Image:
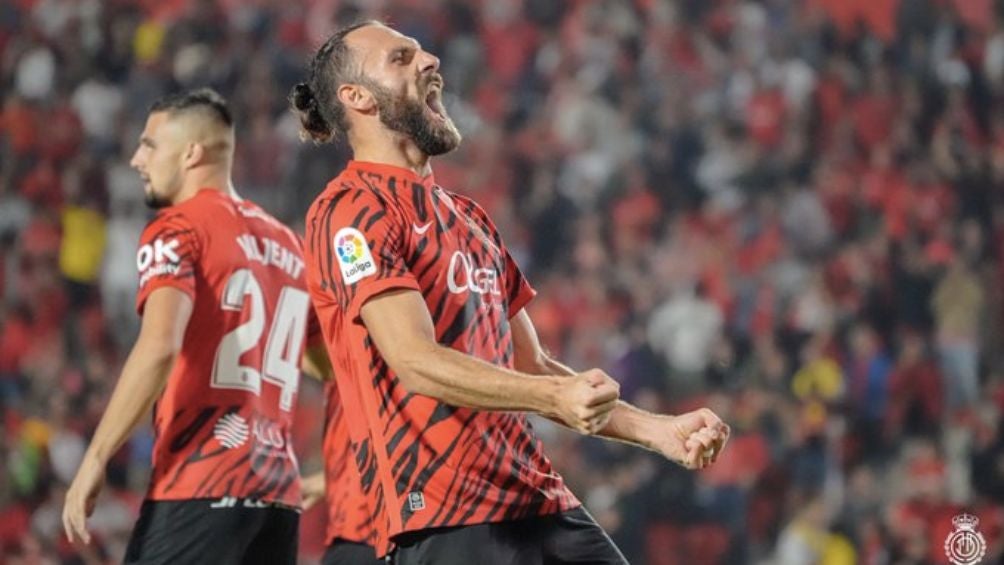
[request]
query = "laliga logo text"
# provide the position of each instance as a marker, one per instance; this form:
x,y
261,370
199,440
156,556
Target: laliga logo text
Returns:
x,y
965,546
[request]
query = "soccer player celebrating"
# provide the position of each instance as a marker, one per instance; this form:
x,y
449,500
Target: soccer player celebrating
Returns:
x,y
222,294
423,312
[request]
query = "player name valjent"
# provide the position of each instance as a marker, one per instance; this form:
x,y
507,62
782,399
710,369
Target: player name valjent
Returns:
x,y
269,252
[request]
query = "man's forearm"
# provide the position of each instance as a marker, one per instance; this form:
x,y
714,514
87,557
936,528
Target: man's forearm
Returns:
x,y
628,423
461,380
142,380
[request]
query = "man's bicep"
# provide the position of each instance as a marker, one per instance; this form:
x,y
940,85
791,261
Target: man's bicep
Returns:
x,y
398,322
165,318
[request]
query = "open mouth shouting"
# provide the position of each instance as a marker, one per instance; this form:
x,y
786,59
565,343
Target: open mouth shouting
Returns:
x,y
434,101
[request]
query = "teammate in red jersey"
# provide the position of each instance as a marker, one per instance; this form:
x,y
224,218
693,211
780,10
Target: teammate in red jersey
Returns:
x,y
422,309
222,294
349,533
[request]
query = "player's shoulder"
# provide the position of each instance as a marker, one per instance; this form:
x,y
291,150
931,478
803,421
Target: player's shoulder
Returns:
x,y
471,207
249,211
170,220
345,194
204,210
464,202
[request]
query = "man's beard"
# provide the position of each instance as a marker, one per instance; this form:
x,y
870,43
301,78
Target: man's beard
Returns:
x,y
405,115
154,202
157,201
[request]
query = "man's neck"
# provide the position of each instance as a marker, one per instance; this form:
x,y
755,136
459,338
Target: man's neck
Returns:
x,y
392,149
219,181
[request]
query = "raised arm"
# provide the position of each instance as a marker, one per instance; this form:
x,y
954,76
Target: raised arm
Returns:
x,y
142,380
693,440
399,323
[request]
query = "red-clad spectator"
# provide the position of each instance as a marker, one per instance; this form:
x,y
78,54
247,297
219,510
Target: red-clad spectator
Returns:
x,y
18,123
931,201
875,110
15,523
836,182
765,114
63,133
42,186
915,398
509,41
831,98
635,215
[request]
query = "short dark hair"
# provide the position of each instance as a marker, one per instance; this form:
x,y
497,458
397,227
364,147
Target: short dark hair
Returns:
x,y
316,102
205,99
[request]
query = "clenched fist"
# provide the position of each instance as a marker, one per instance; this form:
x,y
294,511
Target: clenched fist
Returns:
x,y
694,439
585,401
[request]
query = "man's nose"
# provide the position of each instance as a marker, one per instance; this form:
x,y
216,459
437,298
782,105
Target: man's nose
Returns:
x,y
428,63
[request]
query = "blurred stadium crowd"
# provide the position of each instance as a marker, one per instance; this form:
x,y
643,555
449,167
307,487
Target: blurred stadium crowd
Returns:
x,y
793,210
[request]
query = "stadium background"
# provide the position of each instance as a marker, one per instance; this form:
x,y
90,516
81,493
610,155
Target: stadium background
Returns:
x,y
791,210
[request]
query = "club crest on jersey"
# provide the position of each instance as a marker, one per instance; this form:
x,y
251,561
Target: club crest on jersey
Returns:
x,y
354,256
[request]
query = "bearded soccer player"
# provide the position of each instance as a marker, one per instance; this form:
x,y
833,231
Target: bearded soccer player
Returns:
x,y
423,312
222,294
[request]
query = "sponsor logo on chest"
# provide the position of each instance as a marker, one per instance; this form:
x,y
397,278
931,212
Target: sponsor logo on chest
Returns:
x,y
463,276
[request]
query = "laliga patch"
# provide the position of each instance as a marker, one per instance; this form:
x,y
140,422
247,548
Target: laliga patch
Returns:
x,y
354,255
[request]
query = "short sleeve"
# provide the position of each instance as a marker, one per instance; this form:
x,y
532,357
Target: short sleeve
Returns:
x,y
519,293
357,247
167,256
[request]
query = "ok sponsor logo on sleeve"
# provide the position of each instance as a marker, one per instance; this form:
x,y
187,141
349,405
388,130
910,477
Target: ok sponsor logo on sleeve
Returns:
x,y
158,258
354,256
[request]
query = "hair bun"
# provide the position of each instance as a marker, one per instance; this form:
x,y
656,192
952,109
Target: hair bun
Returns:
x,y
315,126
302,97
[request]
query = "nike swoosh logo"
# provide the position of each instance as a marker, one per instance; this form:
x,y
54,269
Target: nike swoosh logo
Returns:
x,y
420,230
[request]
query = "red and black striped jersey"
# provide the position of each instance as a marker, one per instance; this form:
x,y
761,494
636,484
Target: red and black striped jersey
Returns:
x,y
348,516
424,463
223,421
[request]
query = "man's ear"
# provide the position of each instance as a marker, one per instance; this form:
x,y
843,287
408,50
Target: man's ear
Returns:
x,y
357,97
194,154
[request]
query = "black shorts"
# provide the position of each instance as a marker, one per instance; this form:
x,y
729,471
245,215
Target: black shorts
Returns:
x,y
342,552
221,532
568,537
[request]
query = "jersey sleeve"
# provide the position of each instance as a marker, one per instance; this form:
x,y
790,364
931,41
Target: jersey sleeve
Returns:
x,y
168,254
519,293
313,332
357,245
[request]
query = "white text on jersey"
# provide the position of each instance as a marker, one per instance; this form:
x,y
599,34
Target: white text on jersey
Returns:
x,y
462,276
269,252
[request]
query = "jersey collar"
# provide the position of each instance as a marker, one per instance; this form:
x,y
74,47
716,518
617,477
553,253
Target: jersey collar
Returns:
x,y
392,171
